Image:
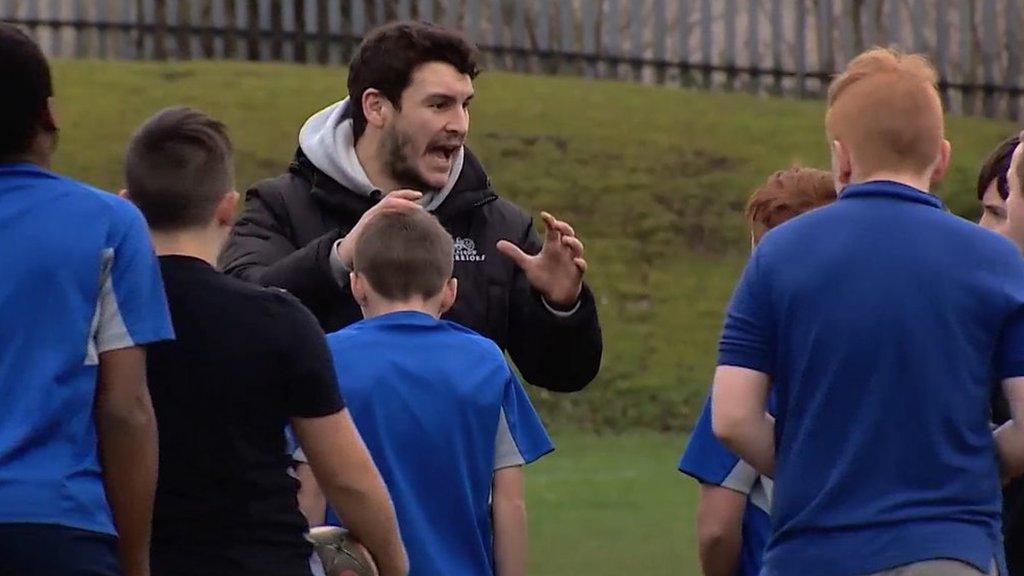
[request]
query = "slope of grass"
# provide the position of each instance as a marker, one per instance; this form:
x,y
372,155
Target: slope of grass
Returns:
x,y
654,179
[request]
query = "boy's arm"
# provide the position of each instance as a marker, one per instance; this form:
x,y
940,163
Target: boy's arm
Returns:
x,y
127,434
720,529
353,486
312,502
509,517
1010,436
739,398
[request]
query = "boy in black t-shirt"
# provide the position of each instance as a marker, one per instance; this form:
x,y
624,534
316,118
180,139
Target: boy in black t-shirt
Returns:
x,y
247,361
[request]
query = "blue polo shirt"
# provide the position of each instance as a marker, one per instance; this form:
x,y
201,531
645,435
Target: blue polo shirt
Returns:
x,y
882,321
440,411
79,279
708,461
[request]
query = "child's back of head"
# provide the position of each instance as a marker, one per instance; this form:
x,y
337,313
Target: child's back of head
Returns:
x,y
403,261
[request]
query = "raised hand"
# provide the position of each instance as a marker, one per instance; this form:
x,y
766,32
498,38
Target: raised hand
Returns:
x,y
557,270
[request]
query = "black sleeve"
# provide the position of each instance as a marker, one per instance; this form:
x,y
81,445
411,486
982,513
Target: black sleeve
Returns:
x,y
261,251
561,354
311,383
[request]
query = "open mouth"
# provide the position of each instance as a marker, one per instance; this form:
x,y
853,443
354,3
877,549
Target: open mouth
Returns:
x,y
443,152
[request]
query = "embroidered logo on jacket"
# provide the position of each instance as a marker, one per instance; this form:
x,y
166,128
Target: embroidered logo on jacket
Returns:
x,y
465,251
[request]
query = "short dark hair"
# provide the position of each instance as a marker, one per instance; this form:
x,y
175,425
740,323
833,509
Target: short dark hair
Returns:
x,y
178,168
390,54
404,254
996,166
27,86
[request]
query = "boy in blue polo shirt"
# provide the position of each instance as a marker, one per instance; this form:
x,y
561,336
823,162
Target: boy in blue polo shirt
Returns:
x,y
445,419
81,295
879,322
732,517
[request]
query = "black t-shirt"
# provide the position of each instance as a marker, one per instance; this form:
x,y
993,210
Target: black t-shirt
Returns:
x,y
245,360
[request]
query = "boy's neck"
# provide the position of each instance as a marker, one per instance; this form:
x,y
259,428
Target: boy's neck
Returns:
x,y
382,307
202,244
921,182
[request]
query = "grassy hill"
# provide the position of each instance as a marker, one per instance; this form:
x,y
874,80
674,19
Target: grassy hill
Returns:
x,y
654,179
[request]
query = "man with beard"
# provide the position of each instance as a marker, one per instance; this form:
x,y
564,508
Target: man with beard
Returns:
x,y
396,143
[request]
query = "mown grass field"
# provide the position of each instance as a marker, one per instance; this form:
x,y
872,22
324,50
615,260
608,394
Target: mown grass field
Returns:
x,y
654,179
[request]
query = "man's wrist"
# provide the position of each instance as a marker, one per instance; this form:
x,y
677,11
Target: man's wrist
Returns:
x,y
561,311
339,269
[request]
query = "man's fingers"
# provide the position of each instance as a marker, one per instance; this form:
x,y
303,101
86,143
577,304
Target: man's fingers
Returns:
x,y
552,234
397,204
562,227
581,264
574,244
510,250
405,194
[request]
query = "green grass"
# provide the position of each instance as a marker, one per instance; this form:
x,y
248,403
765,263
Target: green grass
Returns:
x,y
610,505
654,179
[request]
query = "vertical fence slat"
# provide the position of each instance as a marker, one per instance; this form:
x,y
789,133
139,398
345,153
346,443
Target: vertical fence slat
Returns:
x,y
894,26
753,46
918,25
128,16
46,36
451,14
497,26
589,25
425,10
519,34
566,37
337,47
542,24
730,16
1014,68
942,48
100,23
826,49
707,55
405,9
380,14
869,16
990,56
195,21
966,22
290,50
848,27
610,45
358,17
800,53
308,26
84,41
683,33
660,18
778,38
472,24
636,42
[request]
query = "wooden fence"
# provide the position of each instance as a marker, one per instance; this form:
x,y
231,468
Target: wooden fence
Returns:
x,y
765,46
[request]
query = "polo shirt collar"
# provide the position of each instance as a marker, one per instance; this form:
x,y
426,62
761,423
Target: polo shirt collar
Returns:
x,y
406,317
891,190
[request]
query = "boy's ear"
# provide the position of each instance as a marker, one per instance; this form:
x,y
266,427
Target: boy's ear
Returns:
x,y
942,163
842,164
224,214
355,282
123,193
448,294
